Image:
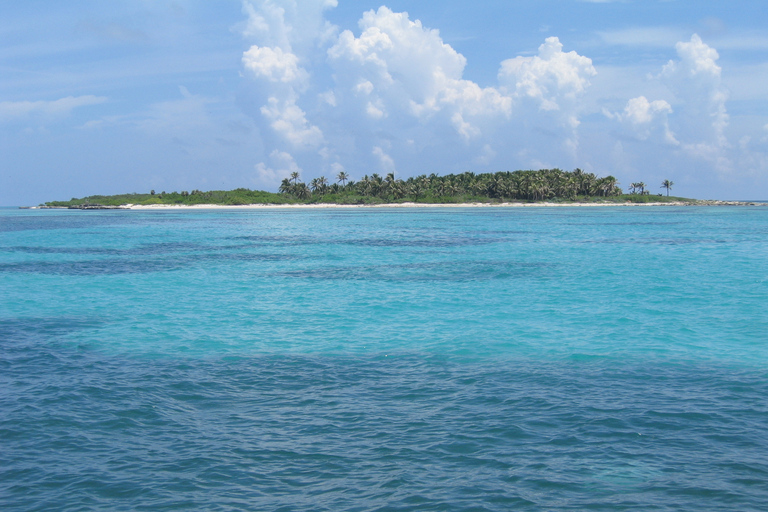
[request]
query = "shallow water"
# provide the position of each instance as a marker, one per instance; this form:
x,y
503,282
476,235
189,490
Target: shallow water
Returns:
x,y
430,359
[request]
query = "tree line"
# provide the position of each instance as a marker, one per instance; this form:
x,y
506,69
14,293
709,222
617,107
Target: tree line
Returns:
x,y
541,185
538,185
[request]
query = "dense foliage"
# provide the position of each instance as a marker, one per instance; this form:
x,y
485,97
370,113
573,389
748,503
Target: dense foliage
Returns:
x,y
546,184
240,196
542,185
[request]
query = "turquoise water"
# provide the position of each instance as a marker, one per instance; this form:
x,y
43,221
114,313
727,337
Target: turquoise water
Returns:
x,y
403,359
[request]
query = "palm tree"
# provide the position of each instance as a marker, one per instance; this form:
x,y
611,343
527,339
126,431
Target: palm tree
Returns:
x,y
302,191
588,182
667,185
342,178
364,186
295,176
641,186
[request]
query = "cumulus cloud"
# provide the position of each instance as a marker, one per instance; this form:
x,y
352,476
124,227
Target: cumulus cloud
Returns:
x,y
282,28
691,115
288,24
643,117
282,165
273,64
640,111
393,94
547,89
10,110
550,78
290,121
696,59
397,64
695,79
399,90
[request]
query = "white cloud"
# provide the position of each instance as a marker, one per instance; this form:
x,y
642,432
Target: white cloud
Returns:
x,y
398,81
57,108
696,59
401,66
288,31
466,130
364,87
283,164
391,43
290,121
375,110
288,24
328,97
643,117
393,94
397,65
641,111
549,78
695,79
274,64
691,115
547,90
385,161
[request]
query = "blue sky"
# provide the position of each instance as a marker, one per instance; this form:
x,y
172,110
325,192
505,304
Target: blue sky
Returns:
x,y
114,97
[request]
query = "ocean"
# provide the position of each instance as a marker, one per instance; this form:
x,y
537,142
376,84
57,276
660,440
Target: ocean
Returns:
x,y
431,359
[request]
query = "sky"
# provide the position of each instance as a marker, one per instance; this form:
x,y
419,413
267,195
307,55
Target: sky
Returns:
x,y
169,95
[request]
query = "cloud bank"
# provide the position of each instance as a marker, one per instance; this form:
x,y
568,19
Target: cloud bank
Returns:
x,y
398,91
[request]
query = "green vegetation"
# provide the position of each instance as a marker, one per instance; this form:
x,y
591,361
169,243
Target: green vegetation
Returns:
x,y
240,196
552,185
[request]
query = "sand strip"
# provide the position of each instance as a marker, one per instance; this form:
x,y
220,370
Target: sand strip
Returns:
x,y
424,205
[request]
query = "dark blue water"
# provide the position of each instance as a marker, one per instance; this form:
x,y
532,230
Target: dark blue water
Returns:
x,y
585,359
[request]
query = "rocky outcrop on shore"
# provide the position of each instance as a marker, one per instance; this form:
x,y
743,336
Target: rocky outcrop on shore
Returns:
x,y
712,202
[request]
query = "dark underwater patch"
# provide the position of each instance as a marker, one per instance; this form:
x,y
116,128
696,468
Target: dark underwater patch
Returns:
x,y
448,272
15,329
417,242
131,266
658,241
144,249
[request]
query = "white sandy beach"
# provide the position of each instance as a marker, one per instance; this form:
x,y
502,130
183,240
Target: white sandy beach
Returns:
x,y
399,205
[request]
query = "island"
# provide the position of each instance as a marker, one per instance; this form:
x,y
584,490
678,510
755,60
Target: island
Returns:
x,y
544,186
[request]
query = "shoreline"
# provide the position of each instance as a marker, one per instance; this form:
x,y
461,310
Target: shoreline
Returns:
x,y
385,205
389,205
543,204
